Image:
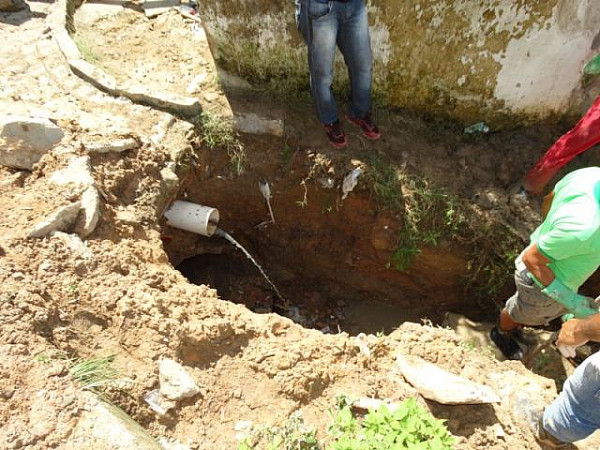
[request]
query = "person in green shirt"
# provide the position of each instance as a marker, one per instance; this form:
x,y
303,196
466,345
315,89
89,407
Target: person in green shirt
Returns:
x,y
564,252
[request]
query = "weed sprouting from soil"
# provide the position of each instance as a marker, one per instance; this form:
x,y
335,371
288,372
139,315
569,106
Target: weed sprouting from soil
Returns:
x,y
218,132
85,49
95,373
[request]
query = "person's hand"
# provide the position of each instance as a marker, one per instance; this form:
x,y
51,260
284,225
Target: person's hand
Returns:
x,y
569,335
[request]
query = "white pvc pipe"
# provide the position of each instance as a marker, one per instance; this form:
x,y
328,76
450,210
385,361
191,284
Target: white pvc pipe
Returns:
x,y
192,217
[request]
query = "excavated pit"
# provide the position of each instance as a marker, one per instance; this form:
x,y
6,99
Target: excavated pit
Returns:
x,y
330,257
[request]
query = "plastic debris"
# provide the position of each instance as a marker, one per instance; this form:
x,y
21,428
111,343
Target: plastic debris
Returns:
x,y
593,66
265,190
158,403
477,128
350,182
441,386
361,343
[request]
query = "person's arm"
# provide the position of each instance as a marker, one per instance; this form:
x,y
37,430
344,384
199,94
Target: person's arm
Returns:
x,y
576,332
537,264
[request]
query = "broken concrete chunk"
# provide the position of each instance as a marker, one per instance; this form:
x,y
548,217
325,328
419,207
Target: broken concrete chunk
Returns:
x,y
24,140
441,386
117,145
253,124
78,172
62,220
90,207
102,425
175,383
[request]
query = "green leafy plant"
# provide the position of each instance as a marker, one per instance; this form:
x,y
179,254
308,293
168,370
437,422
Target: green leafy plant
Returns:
x,y
409,427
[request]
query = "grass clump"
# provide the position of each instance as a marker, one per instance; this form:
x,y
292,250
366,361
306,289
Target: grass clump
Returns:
x,y
95,373
409,427
218,132
85,49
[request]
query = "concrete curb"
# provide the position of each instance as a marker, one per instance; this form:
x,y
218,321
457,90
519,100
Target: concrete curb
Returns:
x,y
175,104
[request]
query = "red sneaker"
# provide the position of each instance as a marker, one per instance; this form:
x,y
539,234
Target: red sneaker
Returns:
x,y
369,129
336,135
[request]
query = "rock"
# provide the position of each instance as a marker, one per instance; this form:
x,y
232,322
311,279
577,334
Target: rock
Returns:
x,y
117,145
170,178
78,172
128,217
13,5
487,200
172,444
24,140
233,81
441,386
102,425
62,220
159,404
90,208
74,243
175,383
253,124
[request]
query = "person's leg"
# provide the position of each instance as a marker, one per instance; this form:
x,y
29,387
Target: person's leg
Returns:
x,y
580,138
528,306
319,27
355,44
575,414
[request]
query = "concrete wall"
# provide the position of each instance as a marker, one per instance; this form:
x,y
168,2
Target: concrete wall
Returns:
x,y
502,61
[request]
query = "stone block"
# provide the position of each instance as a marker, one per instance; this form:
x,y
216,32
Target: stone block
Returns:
x,y
24,140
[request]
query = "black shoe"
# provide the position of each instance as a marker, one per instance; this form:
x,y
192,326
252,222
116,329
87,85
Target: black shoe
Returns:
x,y
506,343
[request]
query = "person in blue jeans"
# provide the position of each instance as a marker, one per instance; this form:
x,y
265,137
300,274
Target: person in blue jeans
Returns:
x,y
575,414
325,24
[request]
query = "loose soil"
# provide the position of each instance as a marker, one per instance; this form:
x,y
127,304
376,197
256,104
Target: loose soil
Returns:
x,y
121,293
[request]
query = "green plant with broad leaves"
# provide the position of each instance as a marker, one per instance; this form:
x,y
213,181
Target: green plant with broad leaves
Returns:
x,y
409,427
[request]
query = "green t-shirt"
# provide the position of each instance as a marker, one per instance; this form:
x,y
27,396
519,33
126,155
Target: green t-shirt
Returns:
x,y
570,235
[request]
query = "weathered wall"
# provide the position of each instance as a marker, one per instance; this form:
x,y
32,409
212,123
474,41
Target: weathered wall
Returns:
x,y
495,60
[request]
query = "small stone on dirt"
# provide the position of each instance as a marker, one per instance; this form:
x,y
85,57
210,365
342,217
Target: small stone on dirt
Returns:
x,y
175,383
24,140
63,219
253,124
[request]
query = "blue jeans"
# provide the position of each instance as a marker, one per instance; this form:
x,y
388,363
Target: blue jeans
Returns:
x,y
324,25
575,414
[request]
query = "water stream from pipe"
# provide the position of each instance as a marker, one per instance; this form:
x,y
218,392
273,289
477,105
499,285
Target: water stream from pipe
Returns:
x,y
226,235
